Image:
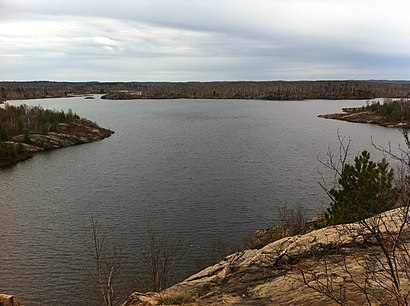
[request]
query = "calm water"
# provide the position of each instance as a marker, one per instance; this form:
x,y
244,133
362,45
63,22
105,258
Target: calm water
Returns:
x,y
199,169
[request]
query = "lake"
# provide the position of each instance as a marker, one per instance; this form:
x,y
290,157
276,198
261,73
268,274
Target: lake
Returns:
x,y
199,170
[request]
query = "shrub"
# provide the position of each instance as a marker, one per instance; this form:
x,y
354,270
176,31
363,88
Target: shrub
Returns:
x,y
26,138
178,299
8,151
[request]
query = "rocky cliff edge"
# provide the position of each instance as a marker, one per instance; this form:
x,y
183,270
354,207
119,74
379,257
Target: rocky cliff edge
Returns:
x,y
280,273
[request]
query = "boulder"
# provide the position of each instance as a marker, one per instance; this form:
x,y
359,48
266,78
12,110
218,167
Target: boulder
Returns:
x,y
9,300
143,299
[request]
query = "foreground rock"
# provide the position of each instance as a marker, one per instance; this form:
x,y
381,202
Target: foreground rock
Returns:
x,y
9,300
68,134
281,272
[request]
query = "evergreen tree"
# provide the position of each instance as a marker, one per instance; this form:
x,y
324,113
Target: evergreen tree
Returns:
x,y
365,189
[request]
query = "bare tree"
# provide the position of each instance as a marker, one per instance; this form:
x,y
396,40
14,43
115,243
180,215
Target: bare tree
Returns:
x,y
325,282
110,281
159,259
294,220
386,236
334,163
104,275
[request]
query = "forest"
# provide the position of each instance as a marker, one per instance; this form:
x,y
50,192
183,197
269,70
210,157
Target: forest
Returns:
x,y
391,110
25,120
263,90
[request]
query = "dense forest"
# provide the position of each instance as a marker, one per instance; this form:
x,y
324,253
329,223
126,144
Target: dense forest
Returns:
x,y
272,90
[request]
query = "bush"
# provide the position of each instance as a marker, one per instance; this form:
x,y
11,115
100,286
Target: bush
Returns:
x,y
365,189
3,134
8,151
178,299
26,138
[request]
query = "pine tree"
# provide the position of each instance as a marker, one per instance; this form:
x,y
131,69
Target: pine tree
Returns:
x,y
365,189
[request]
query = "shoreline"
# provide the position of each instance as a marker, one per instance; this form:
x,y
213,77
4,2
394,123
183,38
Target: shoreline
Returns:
x,y
354,115
276,274
80,131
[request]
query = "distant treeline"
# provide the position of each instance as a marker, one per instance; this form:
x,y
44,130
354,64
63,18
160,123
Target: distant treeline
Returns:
x,y
272,90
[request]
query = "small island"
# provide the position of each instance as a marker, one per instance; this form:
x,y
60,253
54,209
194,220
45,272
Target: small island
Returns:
x,y
25,130
390,113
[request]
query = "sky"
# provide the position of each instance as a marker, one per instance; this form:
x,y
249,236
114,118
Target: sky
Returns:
x,y
204,40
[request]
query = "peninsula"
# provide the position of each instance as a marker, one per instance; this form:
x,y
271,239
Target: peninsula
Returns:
x,y
392,113
26,130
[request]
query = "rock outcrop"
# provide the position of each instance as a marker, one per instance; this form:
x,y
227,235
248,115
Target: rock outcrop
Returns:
x,y
68,134
285,271
9,300
352,115
78,132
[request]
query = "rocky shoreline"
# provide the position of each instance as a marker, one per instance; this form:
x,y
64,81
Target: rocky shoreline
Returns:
x,y
287,271
79,131
357,116
273,275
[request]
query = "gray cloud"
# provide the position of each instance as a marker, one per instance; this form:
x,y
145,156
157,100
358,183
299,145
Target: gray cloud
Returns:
x,y
204,40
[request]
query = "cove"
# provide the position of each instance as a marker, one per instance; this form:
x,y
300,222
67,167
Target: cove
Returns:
x,y
198,169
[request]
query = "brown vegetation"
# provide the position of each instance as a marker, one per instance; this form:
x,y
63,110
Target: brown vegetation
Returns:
x,y
275,90
269,90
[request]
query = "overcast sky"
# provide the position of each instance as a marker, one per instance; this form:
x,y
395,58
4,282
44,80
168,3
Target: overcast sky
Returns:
x,y
184,40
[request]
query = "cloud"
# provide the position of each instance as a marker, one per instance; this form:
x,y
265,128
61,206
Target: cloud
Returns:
x,y
205,40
